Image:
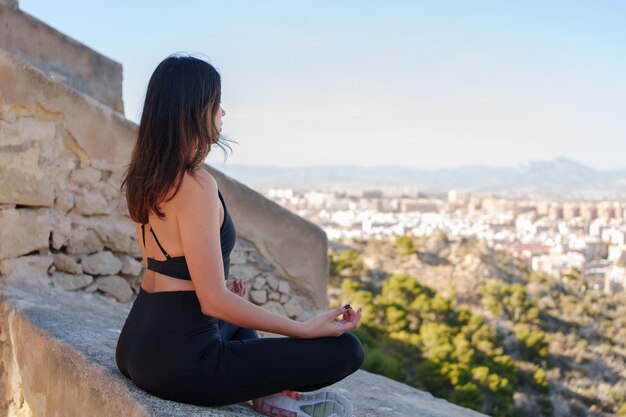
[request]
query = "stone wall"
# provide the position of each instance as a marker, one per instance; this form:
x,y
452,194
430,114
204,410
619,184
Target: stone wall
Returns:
x,y
11,3
60,56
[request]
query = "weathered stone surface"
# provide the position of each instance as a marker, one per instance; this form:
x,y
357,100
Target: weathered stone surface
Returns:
x,y
64,201
275,307
85,176
238,257
83,240
256,256
71,282
64,263
283,287
273,295
258,297
244,272
116,233
23,231
119,207
244,246
101,263
131,266
284,297
13,4
293,308
90,203
31,269
388,398
107,189
61,229
23,188
22,179
272,281
115,179
116,286
134,282
259,282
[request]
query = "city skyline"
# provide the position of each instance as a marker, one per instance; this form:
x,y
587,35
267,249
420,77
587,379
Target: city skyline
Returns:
x,y
407,84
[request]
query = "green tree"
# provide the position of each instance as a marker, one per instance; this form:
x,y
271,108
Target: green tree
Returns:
x,y
448,351
405,245
533,342
344,264
509,300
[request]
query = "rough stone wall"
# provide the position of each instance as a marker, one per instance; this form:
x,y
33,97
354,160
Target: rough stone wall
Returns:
x,y
60,56
11,3
68,226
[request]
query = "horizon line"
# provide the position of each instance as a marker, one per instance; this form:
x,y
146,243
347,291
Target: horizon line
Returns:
x,y
470,165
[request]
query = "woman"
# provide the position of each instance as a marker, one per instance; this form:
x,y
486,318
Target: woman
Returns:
x,y
190,336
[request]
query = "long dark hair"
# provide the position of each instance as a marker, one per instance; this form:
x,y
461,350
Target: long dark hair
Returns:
x,y
175,134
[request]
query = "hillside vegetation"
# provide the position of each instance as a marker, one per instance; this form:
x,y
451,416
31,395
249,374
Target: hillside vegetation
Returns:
x,y
480,329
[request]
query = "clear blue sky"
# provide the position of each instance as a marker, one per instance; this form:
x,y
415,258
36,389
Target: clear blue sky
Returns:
x,y
409,83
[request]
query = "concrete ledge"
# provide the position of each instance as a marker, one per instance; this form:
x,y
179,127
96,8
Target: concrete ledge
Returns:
x,y
57,358
58,354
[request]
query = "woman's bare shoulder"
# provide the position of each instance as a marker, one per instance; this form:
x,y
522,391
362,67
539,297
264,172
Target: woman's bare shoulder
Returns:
x,y
196,187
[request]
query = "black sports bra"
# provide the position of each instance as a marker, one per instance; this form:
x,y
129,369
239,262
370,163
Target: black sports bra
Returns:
x,y
176,267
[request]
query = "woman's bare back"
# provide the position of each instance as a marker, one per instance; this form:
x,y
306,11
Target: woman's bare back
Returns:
x,y
168,234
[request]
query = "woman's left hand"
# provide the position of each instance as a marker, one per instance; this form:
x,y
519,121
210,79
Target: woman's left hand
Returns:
x,y
236,285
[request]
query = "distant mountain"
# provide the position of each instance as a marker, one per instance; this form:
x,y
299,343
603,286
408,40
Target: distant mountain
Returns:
x,y
560,176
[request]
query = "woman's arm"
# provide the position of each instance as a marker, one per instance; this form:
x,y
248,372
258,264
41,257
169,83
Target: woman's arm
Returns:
x,y
237,310
197,211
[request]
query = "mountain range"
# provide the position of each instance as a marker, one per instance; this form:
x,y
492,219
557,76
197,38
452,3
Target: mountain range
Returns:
x,y
556,177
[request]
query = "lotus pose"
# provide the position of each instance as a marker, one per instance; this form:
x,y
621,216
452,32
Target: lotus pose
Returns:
x,y
190,335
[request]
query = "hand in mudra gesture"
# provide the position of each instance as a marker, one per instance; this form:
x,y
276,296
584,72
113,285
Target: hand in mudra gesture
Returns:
x,y
236,285
327,324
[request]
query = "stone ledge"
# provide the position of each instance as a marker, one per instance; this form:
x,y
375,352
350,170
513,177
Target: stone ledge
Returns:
x,y
57,357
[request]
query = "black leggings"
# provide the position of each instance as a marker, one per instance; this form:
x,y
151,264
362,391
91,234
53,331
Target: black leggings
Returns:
x,y
169,349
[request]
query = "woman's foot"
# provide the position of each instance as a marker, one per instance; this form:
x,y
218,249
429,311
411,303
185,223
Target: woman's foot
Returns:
x,y
289,403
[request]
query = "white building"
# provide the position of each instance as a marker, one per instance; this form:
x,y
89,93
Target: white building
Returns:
x,y
556,263
615,279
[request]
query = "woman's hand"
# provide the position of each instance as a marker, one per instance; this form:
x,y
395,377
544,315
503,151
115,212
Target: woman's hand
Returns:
x,y
236,285
326,324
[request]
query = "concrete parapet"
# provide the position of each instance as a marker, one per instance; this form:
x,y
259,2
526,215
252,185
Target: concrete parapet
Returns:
x,y
57,358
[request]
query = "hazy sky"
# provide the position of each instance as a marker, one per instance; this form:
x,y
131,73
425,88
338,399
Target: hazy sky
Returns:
x,y
411,83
